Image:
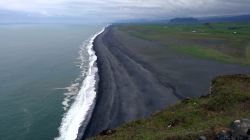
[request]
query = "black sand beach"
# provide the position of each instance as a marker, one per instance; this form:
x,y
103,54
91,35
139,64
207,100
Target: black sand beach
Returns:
x,y
139,77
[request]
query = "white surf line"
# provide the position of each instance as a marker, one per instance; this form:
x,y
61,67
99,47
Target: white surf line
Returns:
x,y
73,89
84,100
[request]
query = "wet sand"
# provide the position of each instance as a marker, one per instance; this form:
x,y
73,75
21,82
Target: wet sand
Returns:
x,y
139,77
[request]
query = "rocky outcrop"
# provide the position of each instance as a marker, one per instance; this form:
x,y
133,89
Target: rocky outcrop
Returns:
x,y
239,130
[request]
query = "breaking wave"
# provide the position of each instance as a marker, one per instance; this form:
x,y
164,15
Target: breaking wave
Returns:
x,y
84,96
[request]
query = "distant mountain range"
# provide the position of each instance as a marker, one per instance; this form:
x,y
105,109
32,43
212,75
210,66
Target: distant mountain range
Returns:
x,y
192,20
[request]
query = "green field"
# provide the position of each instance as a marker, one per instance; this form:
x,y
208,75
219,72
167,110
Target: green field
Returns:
x,y
224,42
229,100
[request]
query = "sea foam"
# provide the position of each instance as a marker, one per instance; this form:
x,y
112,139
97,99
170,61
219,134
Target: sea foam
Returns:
x,y
81,109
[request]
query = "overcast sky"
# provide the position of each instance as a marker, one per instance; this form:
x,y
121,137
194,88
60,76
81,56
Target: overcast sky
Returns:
x,y
124,9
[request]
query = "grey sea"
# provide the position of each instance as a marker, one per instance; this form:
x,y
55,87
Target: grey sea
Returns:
x,y
41,72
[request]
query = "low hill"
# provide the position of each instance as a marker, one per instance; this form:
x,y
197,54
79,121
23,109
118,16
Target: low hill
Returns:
x,y
238,18
184,21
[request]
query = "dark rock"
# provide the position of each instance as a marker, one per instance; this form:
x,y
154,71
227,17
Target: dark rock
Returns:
x,y
224,135
174,123
187,99
240,127
202,138
107,132
240,130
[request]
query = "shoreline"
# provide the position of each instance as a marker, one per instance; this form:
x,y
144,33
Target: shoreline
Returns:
x,y
80,112
131,86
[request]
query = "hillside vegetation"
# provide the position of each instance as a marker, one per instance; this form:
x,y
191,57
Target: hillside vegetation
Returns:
x,y
228,100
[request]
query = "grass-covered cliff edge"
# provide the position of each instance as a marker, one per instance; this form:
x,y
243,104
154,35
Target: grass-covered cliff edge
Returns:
x,y
229,99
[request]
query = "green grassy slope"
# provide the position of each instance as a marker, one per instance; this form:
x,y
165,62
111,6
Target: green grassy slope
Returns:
x,y
229,100
225,42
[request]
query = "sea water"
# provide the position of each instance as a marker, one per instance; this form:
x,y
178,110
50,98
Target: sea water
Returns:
x,y
43,68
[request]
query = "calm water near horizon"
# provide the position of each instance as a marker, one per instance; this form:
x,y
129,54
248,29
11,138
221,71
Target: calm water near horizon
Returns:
x,y
36,63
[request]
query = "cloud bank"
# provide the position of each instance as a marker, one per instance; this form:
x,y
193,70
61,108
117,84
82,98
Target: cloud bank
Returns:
x,y
125,9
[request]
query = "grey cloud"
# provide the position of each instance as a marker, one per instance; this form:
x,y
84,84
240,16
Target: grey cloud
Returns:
x,y
131,9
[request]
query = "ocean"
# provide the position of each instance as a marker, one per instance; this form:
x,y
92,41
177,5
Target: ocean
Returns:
x,y
48,76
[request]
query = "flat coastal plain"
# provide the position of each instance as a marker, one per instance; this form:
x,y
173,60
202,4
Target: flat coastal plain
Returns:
x,y
139,77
